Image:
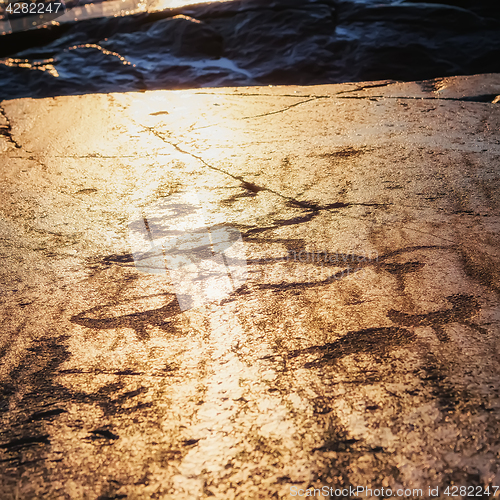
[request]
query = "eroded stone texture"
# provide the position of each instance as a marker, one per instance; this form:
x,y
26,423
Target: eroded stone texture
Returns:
x,y
363,348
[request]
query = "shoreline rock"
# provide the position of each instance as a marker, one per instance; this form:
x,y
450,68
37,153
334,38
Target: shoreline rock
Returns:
x,y
373,364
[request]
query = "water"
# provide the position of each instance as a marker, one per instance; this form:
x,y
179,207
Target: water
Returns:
x,y
108,8
127,45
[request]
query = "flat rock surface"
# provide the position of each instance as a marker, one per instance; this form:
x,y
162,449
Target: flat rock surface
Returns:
x,y
362,349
